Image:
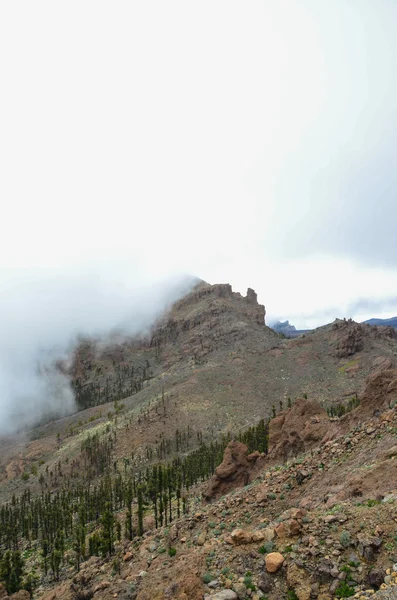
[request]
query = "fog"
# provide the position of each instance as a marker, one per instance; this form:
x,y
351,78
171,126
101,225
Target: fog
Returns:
x,y
250,143
43,314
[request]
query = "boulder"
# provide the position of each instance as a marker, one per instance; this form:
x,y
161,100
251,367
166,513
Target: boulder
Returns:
x,y
201,538
240,536
274,560
376,577
287,529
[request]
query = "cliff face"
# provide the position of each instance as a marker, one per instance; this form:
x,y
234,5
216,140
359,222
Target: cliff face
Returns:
x,y
207,318
348,337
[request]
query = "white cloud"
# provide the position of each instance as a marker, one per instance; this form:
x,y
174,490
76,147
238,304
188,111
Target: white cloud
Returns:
x,y
243,142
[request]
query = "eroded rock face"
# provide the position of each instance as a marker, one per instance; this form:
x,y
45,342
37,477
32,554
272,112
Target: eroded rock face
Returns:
x,y
348,338
235,471
298,429
380,391
298,580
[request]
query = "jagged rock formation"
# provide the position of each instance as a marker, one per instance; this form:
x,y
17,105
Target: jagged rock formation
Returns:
x,y
236,470
348,337
207,310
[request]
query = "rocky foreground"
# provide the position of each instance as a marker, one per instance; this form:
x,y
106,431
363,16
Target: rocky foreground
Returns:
x,y
317,519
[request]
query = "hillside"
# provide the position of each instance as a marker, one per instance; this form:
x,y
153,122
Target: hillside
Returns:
x,y
209,372
383,322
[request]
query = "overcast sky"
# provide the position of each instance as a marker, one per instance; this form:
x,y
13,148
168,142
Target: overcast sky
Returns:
x,y
247,142
253,143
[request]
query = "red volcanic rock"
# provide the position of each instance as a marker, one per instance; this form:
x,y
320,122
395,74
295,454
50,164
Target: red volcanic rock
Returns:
x,y
234,471
298,429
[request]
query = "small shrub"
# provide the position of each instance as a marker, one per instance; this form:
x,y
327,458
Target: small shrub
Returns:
x,y
291,595
371,503
345,539
171,551
207,577
248,583
266,548
344,590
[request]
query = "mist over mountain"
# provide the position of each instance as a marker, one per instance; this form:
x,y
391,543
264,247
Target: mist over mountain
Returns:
x,y
44,314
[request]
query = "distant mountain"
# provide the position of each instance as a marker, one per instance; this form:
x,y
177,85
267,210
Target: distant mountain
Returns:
x,y
383,322
287,329
290,331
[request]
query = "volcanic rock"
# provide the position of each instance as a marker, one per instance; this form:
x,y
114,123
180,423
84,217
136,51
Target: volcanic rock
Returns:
x,y
234,471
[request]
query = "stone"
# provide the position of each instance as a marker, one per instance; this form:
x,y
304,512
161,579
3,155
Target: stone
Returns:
x,y
225,595
324,569
376,577
240,590
128,556
258,536
298,580
269,534
289,528
213,584
274,561
201,538
265,583
240,536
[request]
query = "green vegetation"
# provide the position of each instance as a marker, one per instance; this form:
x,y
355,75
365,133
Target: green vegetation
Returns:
x,y
11,570
80,515
344,590
266,548
339,410
345,539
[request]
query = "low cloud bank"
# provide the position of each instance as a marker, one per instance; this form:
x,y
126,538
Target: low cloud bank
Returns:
x,y
43,313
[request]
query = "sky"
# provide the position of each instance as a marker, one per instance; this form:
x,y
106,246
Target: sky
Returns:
x,y
252,143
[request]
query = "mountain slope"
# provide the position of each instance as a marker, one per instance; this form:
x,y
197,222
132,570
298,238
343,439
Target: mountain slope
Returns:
x,y
210,369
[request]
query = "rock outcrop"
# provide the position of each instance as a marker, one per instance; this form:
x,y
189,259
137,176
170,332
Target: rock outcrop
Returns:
x,y
235,471
298,429
348,338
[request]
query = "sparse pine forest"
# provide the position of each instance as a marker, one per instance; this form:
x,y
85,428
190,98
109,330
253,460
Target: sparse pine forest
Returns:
x,y
89,503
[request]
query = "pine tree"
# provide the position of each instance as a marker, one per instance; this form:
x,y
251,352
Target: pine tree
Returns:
x,y
107,522
11,570
140,509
